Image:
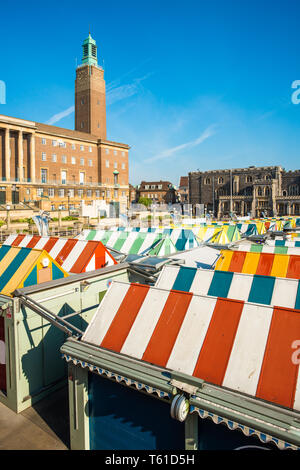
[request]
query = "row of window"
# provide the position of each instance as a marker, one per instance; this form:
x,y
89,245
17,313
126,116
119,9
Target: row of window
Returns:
x,y
64,159
153,186
115,165
79,192
63,144
60,143
248,179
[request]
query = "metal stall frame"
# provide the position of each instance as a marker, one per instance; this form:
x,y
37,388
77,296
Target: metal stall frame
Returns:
x,y
270,423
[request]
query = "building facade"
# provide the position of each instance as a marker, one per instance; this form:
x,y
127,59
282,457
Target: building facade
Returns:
x,y
161,192
258,191
61,167
183,189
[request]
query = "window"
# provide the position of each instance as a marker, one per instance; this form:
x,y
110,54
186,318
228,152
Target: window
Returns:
x,y
90,148
159,186
64,159
123,193
62,144
106,151
108,193
220,180
207,181
82,161
54,143
116,194
97,193
51,192
152,186
54,157
82,126
44,158
123,166
63,177
116,179
39,192
81,177
293,190
43,141
107,163
267,191
115,165
81,147
90,163
82,101
80,192
115,152
73,160
146,186
27,191
71,193
61,193
73,146
259,191
248,179
123,153
89,193
44,175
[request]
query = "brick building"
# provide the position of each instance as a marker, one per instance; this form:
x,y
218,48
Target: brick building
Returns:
x,y
183,189
271,191
61,167
161,192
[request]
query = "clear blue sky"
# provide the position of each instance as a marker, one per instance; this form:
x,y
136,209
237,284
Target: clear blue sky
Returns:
x,y
190,84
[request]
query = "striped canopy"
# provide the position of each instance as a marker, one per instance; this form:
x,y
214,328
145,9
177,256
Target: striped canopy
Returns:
x,y
265,264
287,249
22,267
241,346
140,242
267,290
218,234
75,256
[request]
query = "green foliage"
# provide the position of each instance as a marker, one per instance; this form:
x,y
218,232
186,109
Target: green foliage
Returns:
x,y
145,201
69,217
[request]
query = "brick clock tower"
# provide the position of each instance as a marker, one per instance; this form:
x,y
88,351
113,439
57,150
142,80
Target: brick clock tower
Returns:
x,y
90,108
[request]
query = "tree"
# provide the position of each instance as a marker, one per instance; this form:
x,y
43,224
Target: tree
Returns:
x,y
145,201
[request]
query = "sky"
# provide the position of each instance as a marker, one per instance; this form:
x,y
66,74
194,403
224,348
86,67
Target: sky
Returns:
x,y
191,85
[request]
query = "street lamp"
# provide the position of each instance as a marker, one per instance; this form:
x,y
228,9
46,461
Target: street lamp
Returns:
x,y
7,215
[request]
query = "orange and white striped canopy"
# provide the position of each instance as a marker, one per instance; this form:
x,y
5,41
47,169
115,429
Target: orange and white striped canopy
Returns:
x,y
74,256
246,347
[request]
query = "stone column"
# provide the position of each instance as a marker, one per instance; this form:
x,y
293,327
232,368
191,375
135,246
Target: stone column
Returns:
x,y
32,158
289,208
7,155
242,208
20,154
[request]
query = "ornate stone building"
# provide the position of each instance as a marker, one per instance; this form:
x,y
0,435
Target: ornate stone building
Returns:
x,y
258,191
60,167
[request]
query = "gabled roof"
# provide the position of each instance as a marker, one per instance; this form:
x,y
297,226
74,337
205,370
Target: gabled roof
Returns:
x,y
75,256
21,267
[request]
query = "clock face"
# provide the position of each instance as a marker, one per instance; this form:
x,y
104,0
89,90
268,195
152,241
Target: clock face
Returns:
x,y
180,407
183,409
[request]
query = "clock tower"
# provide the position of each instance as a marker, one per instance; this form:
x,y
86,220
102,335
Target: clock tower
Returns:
x,y
90,108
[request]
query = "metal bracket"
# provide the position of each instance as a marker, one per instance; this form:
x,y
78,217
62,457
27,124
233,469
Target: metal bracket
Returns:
x,y
188,388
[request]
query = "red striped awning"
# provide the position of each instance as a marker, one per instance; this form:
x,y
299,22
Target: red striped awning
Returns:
x,y
246,347
74,256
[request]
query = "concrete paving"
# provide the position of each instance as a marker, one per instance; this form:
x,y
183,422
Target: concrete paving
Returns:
x,y
44,426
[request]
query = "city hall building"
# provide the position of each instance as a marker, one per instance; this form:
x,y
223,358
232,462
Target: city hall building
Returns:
x,y
258,191
57,167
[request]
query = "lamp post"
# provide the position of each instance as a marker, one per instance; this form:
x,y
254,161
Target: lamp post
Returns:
x,y
7,216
